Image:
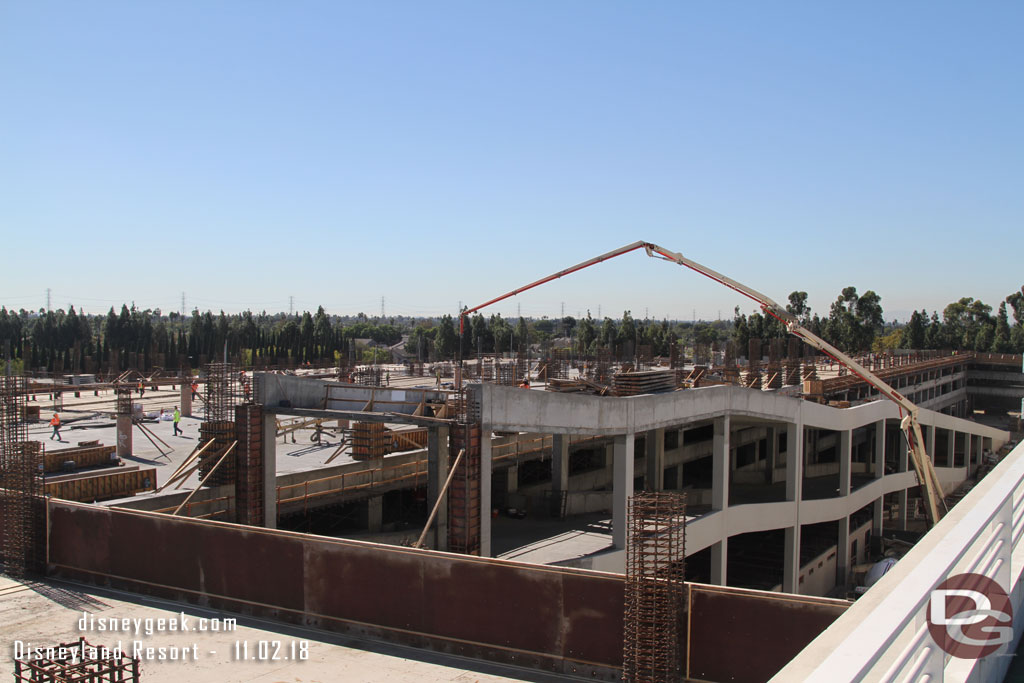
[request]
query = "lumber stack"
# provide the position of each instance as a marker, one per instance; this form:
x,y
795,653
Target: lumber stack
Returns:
x,y
644,382
565,386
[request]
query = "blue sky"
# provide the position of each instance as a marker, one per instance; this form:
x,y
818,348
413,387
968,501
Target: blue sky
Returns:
x,y
432,153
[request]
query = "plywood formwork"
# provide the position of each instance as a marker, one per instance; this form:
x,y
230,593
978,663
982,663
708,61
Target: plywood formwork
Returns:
x,y
464,492
94,456
87,488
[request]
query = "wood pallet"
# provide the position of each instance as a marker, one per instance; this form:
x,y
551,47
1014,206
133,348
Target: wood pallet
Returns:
x,y
86,488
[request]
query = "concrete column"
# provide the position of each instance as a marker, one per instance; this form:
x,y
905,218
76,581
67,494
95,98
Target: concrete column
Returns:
x,y
269,471
843,558
622,487
951,447
375,514
559,462
185,402
929,440
772,457
486,467
791,561
512,479
879,449
124,436
437,472
654,441
845,459
679,467
795,459
720,465
968,451
719,562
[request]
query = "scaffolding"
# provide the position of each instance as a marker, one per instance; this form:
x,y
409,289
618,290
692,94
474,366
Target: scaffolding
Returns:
x,y
21,485
654,586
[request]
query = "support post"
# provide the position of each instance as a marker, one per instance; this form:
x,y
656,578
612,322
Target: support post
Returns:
x,y
124,436
486,465
654,441
720,464
559,463
269,471
845,461
791,560
375,514
843,547
719,562
437,472
185,401
622,487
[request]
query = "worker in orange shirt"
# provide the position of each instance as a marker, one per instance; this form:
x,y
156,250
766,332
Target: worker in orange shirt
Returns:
x,y
142,389
55,423
525,384
195,388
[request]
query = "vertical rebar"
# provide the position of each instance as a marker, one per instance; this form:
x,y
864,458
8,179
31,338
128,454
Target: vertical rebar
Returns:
x,y
21,484
654,586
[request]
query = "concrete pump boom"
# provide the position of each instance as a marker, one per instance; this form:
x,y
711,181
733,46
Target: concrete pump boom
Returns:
x,y
934,502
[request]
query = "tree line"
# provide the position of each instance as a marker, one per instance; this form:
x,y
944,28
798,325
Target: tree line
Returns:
x,y
856,324
71,340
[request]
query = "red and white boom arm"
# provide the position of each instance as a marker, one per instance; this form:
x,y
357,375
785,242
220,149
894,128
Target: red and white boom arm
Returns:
x,y
909,424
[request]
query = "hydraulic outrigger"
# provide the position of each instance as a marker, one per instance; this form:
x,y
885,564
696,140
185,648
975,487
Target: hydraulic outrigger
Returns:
x,y
934,503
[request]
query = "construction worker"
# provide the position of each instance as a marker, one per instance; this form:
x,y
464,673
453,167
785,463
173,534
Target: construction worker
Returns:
x,y
195,389
55,423
142,389
525,384
177,421
387,377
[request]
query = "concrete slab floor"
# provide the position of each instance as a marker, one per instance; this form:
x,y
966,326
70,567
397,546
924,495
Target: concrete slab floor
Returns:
x,y
543,540
41,614
88,418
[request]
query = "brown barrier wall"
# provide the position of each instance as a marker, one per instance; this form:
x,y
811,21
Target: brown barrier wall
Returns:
x,y
748,636
555,618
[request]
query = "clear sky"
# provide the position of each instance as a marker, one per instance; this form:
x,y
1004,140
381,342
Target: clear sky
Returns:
x,y
437,152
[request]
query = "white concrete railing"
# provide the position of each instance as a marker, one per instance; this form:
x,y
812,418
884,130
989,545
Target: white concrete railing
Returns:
x,y
884,636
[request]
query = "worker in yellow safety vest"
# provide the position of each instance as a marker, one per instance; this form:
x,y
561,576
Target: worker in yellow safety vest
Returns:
x,y
177,421
55,423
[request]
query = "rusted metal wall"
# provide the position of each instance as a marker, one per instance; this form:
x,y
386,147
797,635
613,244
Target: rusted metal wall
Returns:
x,y
552,618
769,629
